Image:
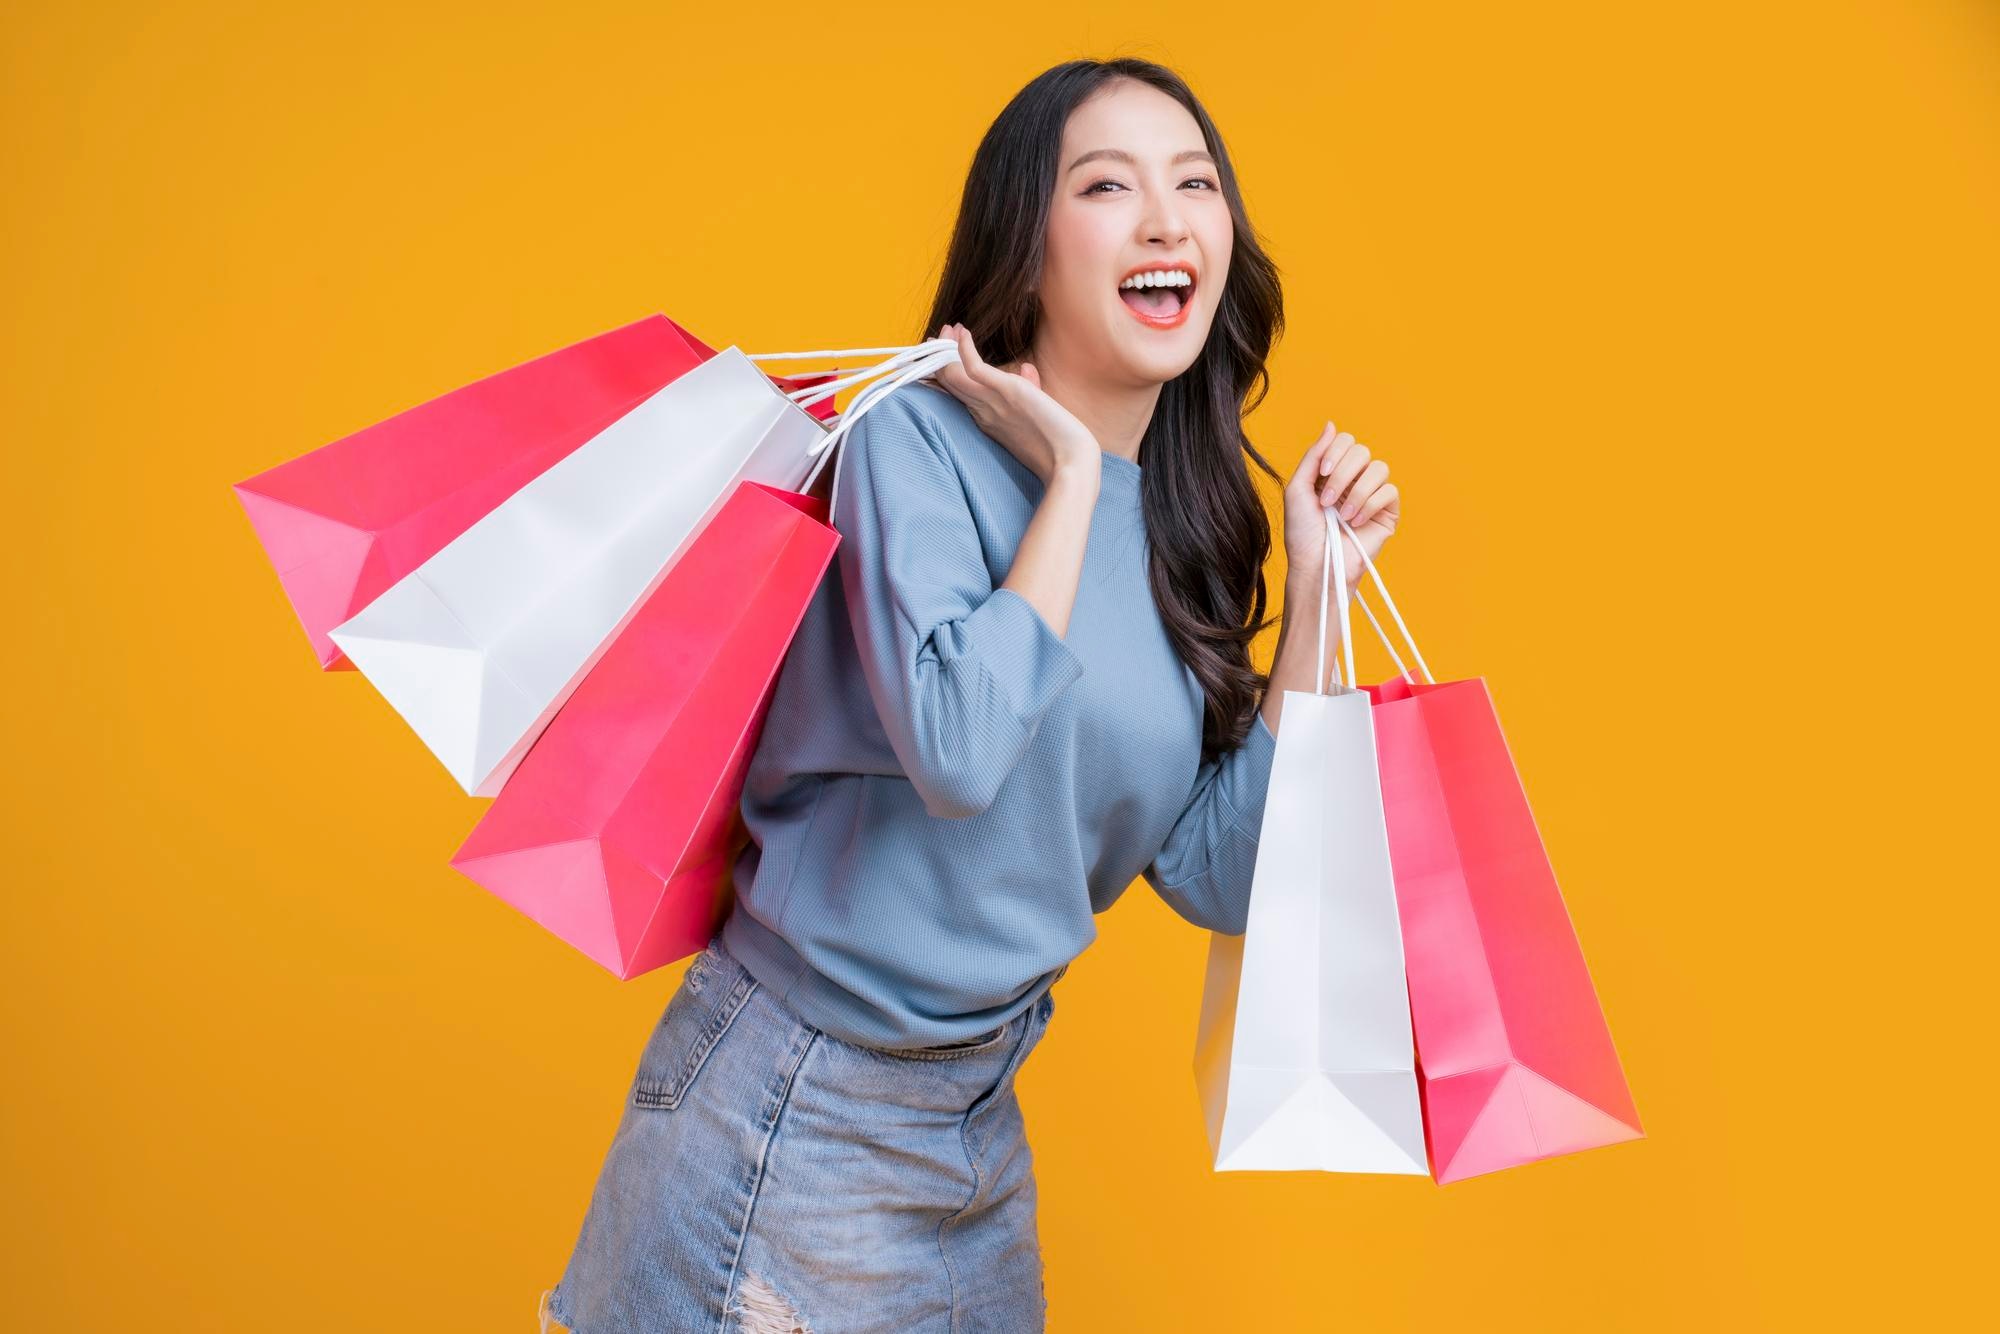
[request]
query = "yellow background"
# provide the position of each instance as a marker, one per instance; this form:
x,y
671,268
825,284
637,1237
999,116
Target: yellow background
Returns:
x,y
1670,321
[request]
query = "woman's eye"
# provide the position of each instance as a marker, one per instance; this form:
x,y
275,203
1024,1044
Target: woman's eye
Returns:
x,y
1202,181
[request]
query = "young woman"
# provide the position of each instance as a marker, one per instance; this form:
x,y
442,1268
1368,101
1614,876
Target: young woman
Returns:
x,y
1027,684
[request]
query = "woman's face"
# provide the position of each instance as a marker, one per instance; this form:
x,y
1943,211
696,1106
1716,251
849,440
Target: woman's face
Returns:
x,y
1136,192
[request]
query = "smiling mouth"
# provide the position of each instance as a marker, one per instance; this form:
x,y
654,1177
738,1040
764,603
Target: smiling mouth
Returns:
x,y
1156,304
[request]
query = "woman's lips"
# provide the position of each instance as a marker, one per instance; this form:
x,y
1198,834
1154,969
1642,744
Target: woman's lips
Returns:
x,y
1130,297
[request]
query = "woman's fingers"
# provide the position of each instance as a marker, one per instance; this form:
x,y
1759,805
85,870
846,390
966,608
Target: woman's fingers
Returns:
x,y
975,365
952,374
1362,490
969,377
1385,500
1306,476
1350,457
1342,477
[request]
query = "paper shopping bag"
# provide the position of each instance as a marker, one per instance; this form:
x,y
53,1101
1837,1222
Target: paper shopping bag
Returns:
x,y
618,830
1514,1054
1304,1057
479,646
344,522
347,520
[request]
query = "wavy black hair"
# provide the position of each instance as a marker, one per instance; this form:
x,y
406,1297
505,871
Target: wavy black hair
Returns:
x,y
1207,533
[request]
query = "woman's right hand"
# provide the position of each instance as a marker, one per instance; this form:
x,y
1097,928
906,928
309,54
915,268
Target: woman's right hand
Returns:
x,y
1013,409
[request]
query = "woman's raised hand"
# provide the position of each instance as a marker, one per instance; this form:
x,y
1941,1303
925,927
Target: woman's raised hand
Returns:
x,y
1339,473
1013,409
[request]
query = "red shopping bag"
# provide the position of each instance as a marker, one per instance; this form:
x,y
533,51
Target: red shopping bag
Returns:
x,y
344,522
1514,1059
619,828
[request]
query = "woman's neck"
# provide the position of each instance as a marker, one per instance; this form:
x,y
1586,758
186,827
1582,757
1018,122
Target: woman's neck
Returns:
x,y
1116,415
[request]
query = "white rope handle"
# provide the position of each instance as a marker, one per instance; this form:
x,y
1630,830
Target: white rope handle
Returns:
x,y
1336,556
868,398
838,352
907,365
1331,560
1394,656
904,364
1390,603
811,394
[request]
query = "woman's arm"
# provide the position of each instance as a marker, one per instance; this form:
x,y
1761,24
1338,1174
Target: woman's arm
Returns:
x,y
1012,408
1048,565
1298,644
1205,869
961,671
1337,472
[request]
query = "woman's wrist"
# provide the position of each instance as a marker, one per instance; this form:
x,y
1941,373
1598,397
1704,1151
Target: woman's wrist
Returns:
x,y
1082,472
1077,453
1303,594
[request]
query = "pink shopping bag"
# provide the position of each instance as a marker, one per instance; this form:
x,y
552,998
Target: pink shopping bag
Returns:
x,y
344,522
1514,1059
619,828
620,825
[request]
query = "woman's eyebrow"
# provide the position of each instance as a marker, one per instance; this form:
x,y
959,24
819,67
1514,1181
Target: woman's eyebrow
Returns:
x,y
1120,155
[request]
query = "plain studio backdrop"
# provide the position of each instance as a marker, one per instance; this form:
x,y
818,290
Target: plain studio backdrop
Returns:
x,y
1676,324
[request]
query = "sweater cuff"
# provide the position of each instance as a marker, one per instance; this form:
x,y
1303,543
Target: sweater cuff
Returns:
x,y
1023,654
1260,745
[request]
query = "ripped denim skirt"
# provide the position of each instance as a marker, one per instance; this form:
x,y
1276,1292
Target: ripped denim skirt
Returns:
x,y
768,1176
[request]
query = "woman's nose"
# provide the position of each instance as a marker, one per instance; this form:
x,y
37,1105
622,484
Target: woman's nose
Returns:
x,y
1163,222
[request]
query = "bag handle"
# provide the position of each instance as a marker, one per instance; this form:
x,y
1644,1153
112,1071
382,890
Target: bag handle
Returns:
x,y
1333,539
1331,559
1395,657
920,369
811,394
905,364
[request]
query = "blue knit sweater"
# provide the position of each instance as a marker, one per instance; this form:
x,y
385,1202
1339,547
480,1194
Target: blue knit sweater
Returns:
x,y
946,792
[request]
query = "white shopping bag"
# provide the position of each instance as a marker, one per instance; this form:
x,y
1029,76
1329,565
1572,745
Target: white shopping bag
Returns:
x,y
478,647
1305,1058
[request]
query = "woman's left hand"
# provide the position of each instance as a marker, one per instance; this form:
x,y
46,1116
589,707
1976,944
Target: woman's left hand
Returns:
x,y
1338,472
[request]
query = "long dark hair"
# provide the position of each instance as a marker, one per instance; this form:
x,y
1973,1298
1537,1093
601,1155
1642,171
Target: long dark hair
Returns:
x,y
1207,532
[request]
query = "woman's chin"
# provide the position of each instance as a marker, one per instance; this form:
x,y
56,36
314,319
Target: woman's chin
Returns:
x,y
1155,358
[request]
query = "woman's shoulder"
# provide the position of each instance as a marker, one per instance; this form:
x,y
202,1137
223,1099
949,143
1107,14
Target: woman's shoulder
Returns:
x,y
918,408
933,413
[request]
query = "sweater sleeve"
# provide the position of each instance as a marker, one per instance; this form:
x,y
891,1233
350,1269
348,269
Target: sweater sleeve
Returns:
x,y
1203,871
961,671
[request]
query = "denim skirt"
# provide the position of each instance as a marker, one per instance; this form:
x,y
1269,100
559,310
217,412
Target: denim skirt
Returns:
x,y
768,1176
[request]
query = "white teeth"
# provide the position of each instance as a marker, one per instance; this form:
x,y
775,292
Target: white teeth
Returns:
x,y
1159,278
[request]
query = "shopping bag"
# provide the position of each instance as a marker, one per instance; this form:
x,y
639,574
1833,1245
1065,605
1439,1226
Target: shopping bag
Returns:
x,y
1514,1054
480,645
619,828
1304,1057
345,521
